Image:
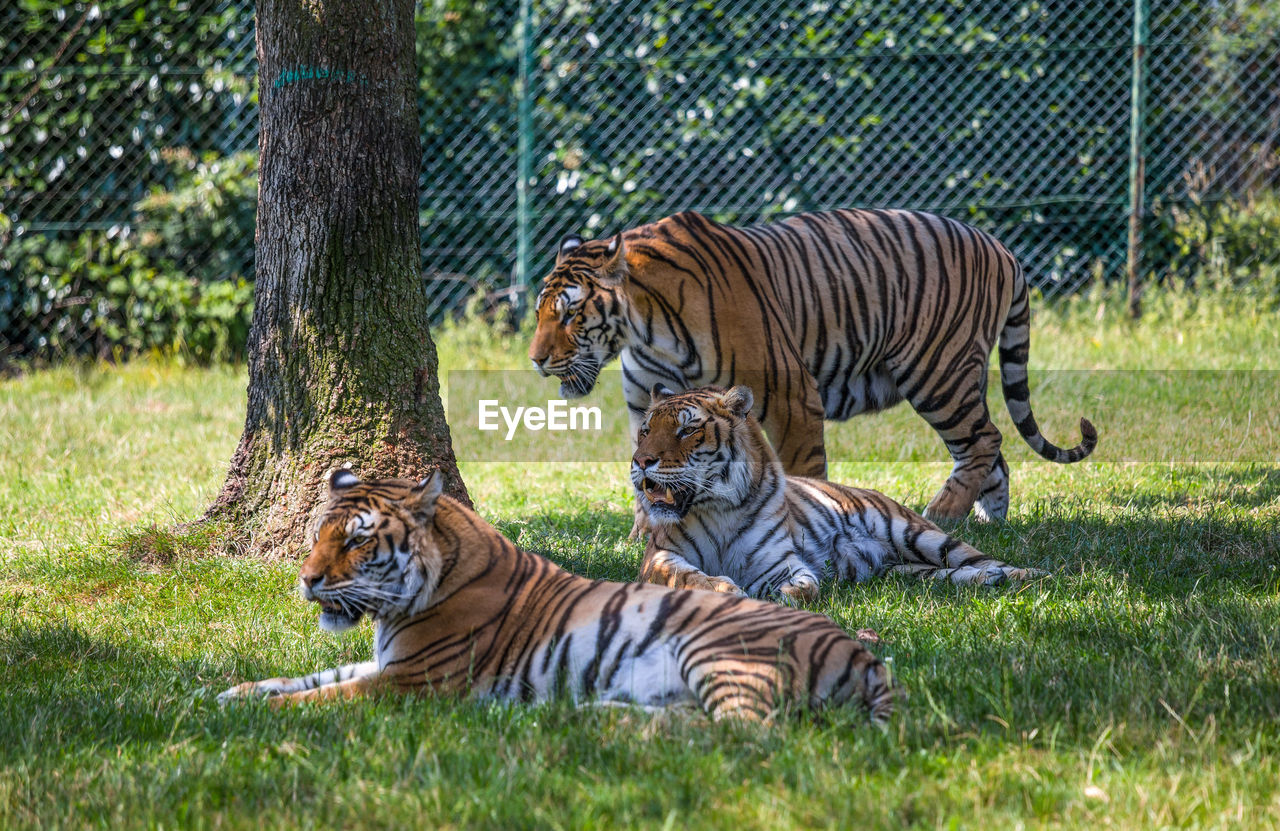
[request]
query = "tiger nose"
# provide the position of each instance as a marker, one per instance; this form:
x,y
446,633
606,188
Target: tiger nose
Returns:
x,y
538,365
644,462
310,581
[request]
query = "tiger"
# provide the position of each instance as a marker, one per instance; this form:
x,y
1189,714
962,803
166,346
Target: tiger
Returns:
x,y
824,315
725,517
458,609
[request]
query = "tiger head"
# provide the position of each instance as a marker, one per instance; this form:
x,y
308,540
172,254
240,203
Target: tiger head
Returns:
x,y
373,551
697,448
580,314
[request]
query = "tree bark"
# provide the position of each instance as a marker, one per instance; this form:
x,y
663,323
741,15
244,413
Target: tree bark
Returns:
x,y
342,368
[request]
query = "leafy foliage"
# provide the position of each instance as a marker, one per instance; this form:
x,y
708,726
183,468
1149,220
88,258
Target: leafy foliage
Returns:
x,y
94,90
100,293
1231,245
109,105
136,113
173,287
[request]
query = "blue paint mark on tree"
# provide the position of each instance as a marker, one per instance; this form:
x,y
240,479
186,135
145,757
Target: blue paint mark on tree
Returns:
x,y
304,72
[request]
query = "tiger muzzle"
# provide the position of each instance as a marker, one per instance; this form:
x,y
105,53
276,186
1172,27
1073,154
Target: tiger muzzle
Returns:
x,y
665,501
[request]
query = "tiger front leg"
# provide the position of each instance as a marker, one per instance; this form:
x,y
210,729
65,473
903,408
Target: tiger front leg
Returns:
x,y
792,581
640,523
292,687
794,425
667,568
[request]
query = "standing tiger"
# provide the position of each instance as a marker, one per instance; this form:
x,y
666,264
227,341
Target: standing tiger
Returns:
x,y
459,609
824,315
725,517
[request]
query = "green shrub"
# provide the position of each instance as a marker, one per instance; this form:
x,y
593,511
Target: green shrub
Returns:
x,y
200,225
171,281
101,295
1231,245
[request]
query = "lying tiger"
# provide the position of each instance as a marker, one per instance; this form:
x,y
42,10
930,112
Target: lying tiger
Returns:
x,y
725,517
459,609
824,315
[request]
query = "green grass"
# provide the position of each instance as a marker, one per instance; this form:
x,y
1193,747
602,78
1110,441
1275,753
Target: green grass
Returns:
x,y
1138,687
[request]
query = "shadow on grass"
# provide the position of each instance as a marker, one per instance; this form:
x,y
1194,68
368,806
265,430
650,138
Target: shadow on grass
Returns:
x,y
76,693
1142,614
69,690
1157,554
591,542
1251,486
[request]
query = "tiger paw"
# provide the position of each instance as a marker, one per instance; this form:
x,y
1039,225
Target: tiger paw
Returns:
x,y
703,582
254,689
639,530
1024,575
1008,574
800,591
947,510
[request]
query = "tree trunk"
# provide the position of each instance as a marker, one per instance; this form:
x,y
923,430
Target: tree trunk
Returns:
x,y
342,368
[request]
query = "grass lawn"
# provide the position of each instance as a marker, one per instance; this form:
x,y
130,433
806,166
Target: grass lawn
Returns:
x,y
1138,687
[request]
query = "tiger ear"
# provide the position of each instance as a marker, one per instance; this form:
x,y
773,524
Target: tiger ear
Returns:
x,y
739,400
424,495
341,479
567,244
659,393
614,270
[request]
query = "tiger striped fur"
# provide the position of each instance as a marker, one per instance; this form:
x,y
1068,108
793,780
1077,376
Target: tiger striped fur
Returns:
x,y
459,609
725,517
824,315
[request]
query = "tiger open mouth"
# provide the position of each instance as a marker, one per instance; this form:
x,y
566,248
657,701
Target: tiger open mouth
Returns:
x,y
665,499
335,618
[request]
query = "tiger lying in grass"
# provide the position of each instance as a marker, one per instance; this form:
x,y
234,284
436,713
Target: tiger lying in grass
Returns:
x,y
459,609
725,517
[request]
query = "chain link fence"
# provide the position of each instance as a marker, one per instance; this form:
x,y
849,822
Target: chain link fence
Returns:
x,y
128,137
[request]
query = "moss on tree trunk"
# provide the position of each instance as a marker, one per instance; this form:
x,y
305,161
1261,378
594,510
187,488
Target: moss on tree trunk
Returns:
x,y
342,368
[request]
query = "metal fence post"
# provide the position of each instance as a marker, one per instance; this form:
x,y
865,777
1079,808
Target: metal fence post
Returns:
x,y
524,151
1137,158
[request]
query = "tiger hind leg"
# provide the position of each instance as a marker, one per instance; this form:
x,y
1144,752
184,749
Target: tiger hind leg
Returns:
x,y
922,549
743,690
974,444
991,574
954,403
993,498
852,673
959,562
879,693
